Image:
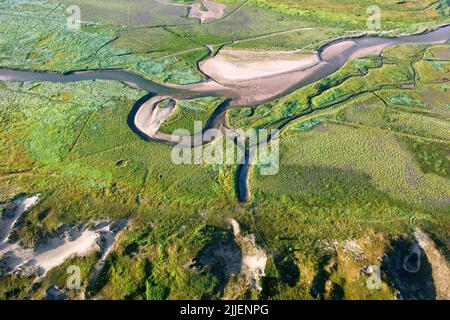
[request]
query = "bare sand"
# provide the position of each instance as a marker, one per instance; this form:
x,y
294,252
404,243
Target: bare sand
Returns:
x,y
54,253
330,52
213,10
231,66
108,236
235,228
254,258
149,117
369,51
258,76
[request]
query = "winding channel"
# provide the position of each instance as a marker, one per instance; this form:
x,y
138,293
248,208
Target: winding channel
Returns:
x,y
145,117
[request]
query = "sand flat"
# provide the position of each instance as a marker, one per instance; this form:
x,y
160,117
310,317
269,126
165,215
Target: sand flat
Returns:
x,y
242,65
149,117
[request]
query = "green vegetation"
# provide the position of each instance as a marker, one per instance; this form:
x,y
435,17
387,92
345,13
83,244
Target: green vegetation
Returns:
x,y
15,287
431,156
373,158
306,39
438,53
402,99
307,125
55,145
353,15
38,39
364,152
59,275
88,164
433,71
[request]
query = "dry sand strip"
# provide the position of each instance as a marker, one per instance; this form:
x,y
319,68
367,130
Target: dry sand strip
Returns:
x,y
254,258
240,254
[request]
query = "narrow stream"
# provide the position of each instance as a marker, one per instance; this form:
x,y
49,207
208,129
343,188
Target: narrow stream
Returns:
x,y
333,56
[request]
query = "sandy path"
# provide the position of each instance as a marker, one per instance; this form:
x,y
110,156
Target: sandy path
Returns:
x,y
53,253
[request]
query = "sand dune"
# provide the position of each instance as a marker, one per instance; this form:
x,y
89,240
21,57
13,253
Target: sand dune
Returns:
x,y
70,243
254,258
11,215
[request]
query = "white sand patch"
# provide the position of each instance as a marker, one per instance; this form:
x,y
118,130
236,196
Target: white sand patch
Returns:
x,y
202,10
238,255
241,65
254,258
362,48
369,51
235,228
52,254
253,263
108,236
12,214
56,250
